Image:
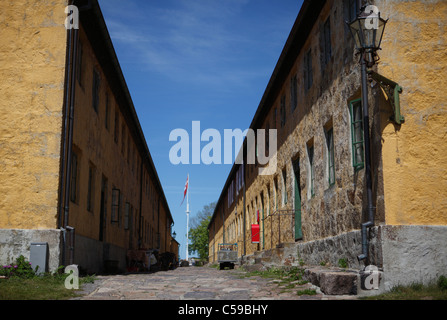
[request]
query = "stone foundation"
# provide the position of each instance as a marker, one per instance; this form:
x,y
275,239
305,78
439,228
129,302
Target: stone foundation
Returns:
x,y
413,254
94,256
403,254
17,242
90,255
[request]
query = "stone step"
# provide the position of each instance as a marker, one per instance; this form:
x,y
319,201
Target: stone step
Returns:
x,y
333,282
330,280
345,281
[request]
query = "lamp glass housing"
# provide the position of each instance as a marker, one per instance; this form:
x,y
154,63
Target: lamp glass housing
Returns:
x,y
367,31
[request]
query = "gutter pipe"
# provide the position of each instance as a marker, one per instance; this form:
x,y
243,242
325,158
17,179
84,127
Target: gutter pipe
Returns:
x,y
70,74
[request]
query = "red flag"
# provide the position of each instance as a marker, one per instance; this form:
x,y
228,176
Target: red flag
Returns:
x,y
186,189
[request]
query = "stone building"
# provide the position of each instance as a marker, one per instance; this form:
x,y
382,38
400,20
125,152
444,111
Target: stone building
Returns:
x,y
76,171
314,204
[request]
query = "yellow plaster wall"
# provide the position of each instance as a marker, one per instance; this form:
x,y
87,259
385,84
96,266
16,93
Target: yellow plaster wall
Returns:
x,y
32,65
414,54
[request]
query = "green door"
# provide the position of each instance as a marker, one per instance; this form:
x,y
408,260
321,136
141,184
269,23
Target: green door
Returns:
x,y
298,231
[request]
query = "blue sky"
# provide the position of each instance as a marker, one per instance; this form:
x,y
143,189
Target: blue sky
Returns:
x,y
196,60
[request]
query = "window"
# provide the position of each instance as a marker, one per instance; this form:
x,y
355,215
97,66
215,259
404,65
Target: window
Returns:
x,y
326,48
74,178
350,12
355,109
308,76
95,90
239,178
310,153
115,205
284,188
90,187
283,110
231,194
330,156
293,93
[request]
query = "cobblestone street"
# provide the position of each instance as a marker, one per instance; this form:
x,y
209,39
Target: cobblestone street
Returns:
x,y
199,283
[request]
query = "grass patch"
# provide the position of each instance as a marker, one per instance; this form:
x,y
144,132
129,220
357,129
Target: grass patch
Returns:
x,y
306,292
287,275
343,263
23,283
416,291
46,287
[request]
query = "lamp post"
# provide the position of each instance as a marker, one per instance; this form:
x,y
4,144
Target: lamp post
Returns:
x,y
367,30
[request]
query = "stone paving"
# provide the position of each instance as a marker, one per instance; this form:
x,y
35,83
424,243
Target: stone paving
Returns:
x,y
198,283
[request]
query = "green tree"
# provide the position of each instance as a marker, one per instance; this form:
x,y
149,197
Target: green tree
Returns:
x,y
198,233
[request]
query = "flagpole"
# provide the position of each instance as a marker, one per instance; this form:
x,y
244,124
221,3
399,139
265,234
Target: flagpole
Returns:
x,y
187,218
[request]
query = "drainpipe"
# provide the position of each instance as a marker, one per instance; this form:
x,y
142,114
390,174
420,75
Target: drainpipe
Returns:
x,y
368,174
67,147
70,95
62,171
70,135
65,127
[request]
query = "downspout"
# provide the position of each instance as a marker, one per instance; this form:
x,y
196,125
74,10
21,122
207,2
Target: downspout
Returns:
x,y
70,97
70,141
70,145
62,171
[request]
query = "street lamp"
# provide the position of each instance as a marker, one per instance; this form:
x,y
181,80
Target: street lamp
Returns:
x,y
367,30
174,235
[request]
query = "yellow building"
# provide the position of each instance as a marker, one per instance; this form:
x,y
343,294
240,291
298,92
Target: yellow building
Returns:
x,y
312,207
76,171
